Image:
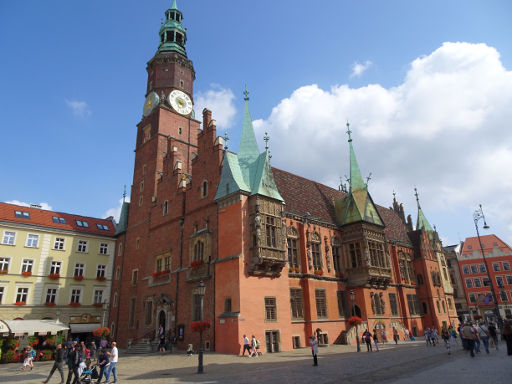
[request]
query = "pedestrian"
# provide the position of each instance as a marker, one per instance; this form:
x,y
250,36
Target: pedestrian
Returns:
x,y
483,333
445,335
406,334
507,335
254,345
428,335
395,335
92,349
114,356
462,338
103,364
384,336
161,344
246,346
367,337
314,349
469,337
476,338
60,355
493,335
376,340
73,361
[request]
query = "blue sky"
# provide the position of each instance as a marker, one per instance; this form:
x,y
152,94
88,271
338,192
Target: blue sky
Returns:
x,y
427,87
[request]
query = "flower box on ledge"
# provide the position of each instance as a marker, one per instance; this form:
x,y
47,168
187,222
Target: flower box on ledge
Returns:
x,y
97,305
338,274
78,278
157,275
3,271
101,278
54,276
73,304
200,326
319,272
196,263
26,273
48,304
355,320
20,303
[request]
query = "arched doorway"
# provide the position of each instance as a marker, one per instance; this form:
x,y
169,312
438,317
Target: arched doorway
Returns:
x,y
161,322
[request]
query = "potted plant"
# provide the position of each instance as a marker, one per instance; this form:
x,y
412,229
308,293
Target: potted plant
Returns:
x,y
97,305
20,303
54,276
101,278
26,273
102,332
48,304
78,277
73,304
3,271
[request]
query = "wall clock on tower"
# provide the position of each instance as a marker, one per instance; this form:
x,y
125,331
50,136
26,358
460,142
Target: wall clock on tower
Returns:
x,y
151,102
180,102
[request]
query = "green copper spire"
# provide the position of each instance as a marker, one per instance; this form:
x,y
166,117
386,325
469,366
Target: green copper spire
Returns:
x,y
248,151
422,222
173,36
356,181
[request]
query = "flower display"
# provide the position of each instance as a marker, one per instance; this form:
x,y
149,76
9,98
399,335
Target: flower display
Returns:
x,y
319,272
78,278
20,303
26,273
101,332
48,304
160,273
355,320
199,326
101,278
73,304
54,276
3,271
196,263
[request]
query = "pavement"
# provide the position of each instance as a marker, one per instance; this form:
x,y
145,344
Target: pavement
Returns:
x,y
406,362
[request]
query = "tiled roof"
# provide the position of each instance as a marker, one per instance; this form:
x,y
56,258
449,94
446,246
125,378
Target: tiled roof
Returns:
x,y
44,218
488,242
303,195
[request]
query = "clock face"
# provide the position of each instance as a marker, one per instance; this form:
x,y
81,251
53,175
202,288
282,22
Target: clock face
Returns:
x,y
180,102
151,102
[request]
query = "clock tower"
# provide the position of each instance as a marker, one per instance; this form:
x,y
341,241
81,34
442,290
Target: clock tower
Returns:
x,y
167,132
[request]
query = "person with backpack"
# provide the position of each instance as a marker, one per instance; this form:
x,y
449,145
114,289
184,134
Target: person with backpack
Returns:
x,y
483,333
469,338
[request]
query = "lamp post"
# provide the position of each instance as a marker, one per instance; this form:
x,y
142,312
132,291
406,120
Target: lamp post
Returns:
x,y
477,215
353,298
200,291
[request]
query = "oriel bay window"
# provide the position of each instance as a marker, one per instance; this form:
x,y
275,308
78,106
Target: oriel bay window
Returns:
x,y
270,231
354,255
377,256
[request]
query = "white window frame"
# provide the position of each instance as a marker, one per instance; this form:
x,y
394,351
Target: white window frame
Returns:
x,y
101,268
83,246
9,238
59,243
103,249
56,294
6,261
82,268
55,267
73,293
94,295
27,265
25,293
3,293
30,240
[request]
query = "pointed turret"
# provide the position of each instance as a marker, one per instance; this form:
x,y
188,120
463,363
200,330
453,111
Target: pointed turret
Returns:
x,y
422,222
356,180
358,204
173,36
249,170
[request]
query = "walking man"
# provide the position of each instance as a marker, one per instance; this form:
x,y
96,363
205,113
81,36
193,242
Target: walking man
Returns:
x,y
114,355
314,349
469,337
246,346
483,332
103,363
59,360
395,335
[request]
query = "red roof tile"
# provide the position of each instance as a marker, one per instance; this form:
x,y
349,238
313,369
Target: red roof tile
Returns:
x,y
489,242
44,218
302,196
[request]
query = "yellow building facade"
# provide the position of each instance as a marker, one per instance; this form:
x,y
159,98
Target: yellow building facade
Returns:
x,y
55,266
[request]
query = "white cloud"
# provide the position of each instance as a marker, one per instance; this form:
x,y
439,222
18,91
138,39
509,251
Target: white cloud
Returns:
x,y
115,212
43,205
358,69
220,101
79,108
443,129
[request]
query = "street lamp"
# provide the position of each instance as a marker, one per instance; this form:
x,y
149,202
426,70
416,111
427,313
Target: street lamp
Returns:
x,y
353,298
477,215
200,291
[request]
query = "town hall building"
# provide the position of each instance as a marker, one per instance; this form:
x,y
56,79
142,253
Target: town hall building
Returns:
x,y
225,237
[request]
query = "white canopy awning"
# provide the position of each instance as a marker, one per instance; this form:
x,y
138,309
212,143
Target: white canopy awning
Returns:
x,y
30,327
84,327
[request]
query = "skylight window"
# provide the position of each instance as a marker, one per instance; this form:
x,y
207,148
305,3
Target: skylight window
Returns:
x,y
22,214
58,220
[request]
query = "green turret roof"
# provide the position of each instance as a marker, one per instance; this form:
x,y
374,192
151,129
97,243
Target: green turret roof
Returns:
x,y
249,170
422,222
173,36
123,218
358,204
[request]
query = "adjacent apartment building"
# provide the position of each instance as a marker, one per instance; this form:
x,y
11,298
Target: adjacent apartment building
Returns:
x,y
55,265
473,270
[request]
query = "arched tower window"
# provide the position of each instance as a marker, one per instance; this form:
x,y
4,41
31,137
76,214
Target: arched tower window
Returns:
x,y
316,251
204,188
198,250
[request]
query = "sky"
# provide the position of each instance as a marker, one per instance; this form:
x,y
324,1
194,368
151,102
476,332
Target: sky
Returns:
x,y
426,87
